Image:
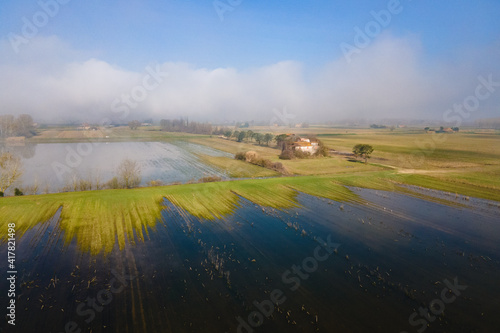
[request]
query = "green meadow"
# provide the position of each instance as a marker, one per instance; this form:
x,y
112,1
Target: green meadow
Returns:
x,y
99,220
463,164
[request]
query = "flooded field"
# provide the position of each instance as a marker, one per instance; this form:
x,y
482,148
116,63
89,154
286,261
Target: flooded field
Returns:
x,y
395,264
52,165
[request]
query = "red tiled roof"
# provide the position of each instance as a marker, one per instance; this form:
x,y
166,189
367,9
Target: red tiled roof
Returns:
x,y
302,144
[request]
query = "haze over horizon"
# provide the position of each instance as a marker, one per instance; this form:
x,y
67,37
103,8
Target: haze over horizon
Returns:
x,y
242,60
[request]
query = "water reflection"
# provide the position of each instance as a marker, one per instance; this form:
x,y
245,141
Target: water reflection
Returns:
x,y
24,150
51,166
196,275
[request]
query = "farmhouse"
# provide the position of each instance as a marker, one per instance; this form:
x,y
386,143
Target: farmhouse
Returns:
x,y
304,144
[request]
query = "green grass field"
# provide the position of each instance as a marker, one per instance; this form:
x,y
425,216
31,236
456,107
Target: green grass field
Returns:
x,y
99,220
466,164
459,162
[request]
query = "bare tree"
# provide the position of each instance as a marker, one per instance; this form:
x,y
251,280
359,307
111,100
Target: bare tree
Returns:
x,y
36,186
10,170
129,173
6,125
134,124
24,126
98,180
46,188
75,180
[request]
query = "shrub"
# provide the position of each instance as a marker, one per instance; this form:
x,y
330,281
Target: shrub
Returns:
x,y
251,157
84,185
240,156
18,192
301,154
153,183
278,166
287,154
210,179
322,150
267,164
1,194
114,183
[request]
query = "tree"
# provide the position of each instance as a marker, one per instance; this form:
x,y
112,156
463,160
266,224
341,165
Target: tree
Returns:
x,y
241,136
24,126
249,135
129,173
280,140
287,154
134,124
6,125
363,151
228,134
268,137
322,150
10,170
259,137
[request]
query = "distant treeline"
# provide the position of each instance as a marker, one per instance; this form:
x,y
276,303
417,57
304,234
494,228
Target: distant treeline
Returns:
x,y
183,125
493,123
21,126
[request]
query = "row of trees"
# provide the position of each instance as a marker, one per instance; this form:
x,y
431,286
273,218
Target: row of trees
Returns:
x,y
128,175
392,127
183,125
249,136
23,125
441,129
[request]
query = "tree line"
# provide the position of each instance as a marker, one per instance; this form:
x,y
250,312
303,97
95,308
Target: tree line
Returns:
x,y
127,175
23,125
249,135
184,125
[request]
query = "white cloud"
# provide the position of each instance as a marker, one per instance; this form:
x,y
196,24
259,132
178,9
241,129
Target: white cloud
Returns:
x,y
390,78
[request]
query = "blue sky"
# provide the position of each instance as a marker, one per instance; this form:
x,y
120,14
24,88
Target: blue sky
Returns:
x,y
455,38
